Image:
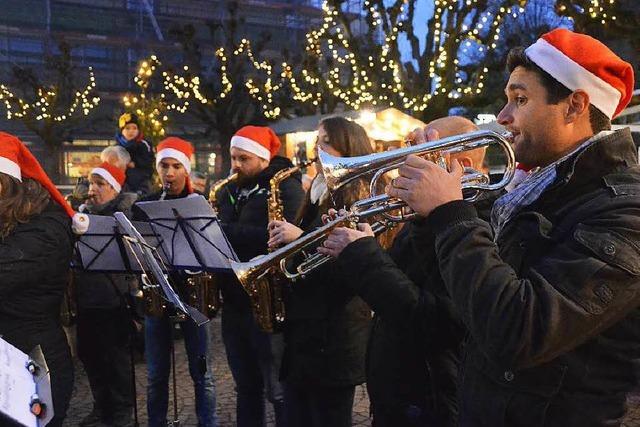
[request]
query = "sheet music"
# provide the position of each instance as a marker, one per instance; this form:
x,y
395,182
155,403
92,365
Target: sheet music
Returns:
x,y
16,385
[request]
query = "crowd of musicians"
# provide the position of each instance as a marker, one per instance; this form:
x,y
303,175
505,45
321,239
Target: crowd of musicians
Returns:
x,y
519,308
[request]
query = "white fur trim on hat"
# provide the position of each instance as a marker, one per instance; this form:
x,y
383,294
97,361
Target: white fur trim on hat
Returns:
x,y
172,153
251,146
574,76
10,168
108,177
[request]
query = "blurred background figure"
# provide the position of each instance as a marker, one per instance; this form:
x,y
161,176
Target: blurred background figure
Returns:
x,y
140,168
199,182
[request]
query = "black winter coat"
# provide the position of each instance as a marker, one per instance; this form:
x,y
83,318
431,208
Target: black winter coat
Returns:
x,y
552,306
102,290
327,326
243,214
34,271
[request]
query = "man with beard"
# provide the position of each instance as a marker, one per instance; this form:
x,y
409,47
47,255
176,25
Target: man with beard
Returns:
x,y
254,356
173,163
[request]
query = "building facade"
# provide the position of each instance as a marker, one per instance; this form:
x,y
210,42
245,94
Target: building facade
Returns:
x,y
112,36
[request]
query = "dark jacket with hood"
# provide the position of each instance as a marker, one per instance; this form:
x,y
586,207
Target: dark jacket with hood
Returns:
x,y
103,290
552,306
242,210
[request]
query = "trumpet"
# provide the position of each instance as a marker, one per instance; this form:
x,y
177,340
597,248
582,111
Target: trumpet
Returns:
x,y
260,267
339,171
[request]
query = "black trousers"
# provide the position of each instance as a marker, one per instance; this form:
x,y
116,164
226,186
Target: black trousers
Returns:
x,y
103,348
315,406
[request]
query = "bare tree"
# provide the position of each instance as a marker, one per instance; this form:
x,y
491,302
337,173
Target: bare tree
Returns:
x,y
53,108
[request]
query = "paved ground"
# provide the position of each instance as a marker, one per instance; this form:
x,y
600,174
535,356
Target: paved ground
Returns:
x,y
81,400
226,396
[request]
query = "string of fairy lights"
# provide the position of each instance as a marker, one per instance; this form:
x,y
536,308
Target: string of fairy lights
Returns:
x,y
378,78
151,109
47,101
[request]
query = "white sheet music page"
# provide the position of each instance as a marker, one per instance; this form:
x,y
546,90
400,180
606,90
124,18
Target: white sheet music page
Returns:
x,y
16,385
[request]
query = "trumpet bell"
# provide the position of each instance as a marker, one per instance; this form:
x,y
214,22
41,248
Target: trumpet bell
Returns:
x,y
339,171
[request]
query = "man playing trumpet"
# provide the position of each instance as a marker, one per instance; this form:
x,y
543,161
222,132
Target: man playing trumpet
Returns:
x,y
548,290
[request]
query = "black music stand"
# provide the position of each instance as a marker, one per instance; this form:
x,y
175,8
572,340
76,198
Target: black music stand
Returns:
x,y
103,248
189,234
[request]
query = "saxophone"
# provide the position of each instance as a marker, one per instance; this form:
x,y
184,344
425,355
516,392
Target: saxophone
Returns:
x,y
213,193
267,293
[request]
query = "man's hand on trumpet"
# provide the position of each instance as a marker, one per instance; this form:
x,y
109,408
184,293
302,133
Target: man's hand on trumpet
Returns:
x,y
424,186
341,237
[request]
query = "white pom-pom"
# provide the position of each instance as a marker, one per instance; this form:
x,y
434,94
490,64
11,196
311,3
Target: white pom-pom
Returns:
x,y
80,223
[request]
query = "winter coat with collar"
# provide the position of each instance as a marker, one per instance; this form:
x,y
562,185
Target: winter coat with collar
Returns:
x,y
105,290
242,211
552,306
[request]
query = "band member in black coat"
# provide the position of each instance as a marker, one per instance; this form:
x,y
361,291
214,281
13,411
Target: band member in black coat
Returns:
x,y
254,356
327,325
36,243
104,319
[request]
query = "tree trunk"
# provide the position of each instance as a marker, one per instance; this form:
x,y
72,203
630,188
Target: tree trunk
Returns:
x,y
52,162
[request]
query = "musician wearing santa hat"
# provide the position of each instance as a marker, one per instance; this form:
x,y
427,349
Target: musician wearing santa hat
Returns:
x,y
104,318
549,289
36,243
254,356
173,164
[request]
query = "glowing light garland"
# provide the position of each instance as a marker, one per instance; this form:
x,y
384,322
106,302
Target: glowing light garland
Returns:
x,y
40,110
151,109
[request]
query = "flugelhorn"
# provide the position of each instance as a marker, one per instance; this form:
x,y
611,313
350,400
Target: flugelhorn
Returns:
x,y
257,268
339,171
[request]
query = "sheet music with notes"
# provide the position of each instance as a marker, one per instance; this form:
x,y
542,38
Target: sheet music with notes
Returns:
x,y
16,385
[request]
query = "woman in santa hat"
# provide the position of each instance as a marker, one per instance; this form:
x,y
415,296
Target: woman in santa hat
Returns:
x,y
36,243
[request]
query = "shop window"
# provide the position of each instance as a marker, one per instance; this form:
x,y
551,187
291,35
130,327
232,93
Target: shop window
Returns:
x,y
80,163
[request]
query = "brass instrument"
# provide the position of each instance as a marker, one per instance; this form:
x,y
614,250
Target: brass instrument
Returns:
x,y
339,171
204,294
154,303
267,292
260,267
213,199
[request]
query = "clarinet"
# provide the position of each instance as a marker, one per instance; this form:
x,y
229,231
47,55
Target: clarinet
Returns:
x,y
165,189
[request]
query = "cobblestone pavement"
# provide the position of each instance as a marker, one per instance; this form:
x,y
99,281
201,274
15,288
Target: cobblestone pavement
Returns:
x,y
81,400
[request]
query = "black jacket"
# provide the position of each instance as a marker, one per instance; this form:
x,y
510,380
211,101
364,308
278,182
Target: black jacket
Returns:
x,y
139,177
242,211
552,307
102,290
327,326
34,272
411,374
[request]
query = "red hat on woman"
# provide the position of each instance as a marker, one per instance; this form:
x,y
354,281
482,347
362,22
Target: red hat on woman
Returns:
x,y
17,161
112,174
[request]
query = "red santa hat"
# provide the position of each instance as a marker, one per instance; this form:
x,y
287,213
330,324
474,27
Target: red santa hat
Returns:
x,y
259,140
17,161
112,174
579,61
179,149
